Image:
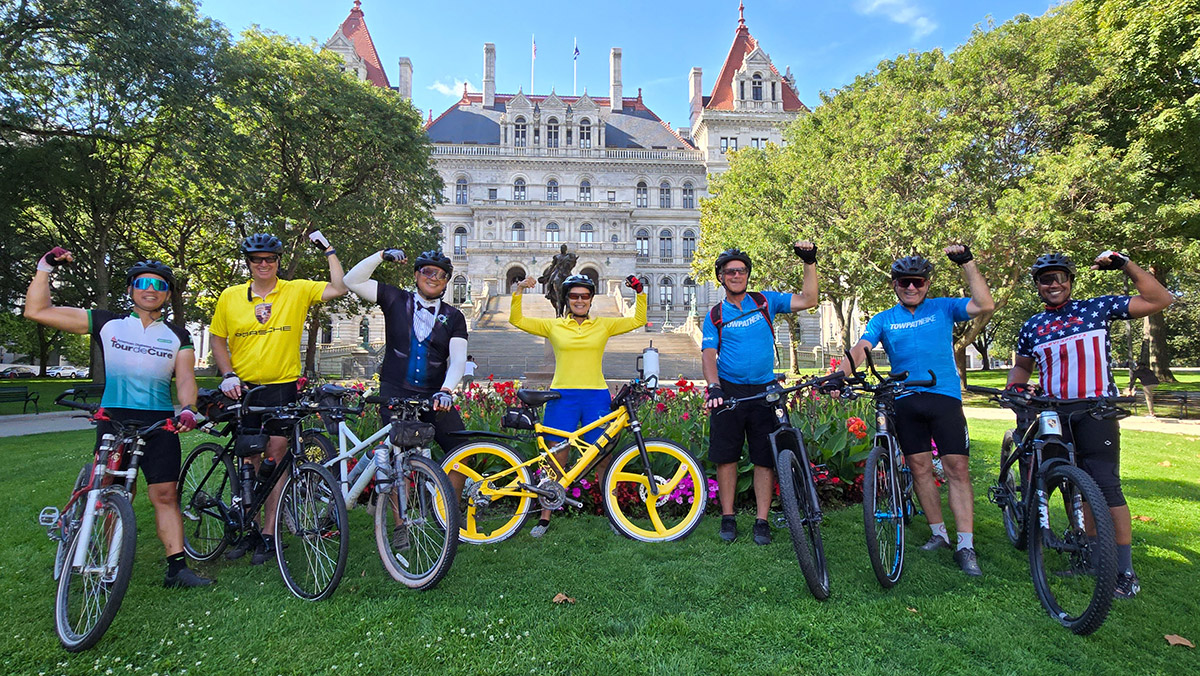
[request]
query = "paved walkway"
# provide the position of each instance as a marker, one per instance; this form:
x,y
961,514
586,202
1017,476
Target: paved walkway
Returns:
x,y
1139,423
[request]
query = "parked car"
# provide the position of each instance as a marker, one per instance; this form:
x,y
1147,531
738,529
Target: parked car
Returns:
x,y
62,372
83,371
17,372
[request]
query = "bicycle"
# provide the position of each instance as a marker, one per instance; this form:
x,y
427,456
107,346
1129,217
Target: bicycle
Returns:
x,y
220,503
415,532
499,489
1074,572
797,487
888,505
96,531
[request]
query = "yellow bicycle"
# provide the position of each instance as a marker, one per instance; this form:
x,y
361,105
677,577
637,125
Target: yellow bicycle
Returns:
x,y
654,489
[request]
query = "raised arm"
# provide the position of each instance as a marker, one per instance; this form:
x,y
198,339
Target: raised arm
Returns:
x,y
359,279
808,297
516,316
981,296
336,288
1152,295
38,306
640,306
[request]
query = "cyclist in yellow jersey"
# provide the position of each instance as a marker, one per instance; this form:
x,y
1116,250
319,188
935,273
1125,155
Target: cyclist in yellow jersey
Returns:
x,y
578,342
256,341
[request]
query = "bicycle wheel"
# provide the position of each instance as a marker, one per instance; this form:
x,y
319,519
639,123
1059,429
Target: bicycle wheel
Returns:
x,y
489,510
680,484
1010,492
206,486
316,447
799,506
70,518
1073,574
90,595
311,538
883,517
416,531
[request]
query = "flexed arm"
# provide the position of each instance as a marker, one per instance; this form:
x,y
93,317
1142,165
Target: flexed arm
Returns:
x,y
38,306
359,279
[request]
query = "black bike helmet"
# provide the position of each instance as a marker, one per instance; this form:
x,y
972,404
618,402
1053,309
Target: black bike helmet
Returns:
x,y
153,268
578,280
261,242
733,254
912,266
1052,261
435,258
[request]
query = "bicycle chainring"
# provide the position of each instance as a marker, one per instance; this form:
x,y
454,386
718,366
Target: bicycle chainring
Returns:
x,y
559,498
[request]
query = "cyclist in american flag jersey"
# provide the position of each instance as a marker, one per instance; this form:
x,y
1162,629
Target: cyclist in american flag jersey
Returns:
x,y
1070,343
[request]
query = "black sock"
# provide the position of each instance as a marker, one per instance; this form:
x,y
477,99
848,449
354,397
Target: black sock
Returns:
x,y
1125,559
543,522
176,563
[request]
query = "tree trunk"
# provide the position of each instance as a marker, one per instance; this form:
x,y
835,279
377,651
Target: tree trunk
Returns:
x,y
794,326
839,321
310,352
1154,332
982,346
43,348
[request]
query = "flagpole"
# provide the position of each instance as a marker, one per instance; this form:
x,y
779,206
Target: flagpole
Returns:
x,y
532,63
575,68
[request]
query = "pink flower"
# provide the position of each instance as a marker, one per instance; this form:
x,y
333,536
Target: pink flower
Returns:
x,y
686,415
585,483
575,492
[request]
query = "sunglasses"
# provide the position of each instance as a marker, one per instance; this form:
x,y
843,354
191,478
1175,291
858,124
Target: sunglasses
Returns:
x,y
256,260
1049,278
735,272
143,283
436,274
914,282
579,296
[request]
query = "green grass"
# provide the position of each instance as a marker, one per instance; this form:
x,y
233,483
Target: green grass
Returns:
x,y
696,606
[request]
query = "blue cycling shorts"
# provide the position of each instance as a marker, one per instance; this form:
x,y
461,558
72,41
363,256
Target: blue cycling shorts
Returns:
x,y
575,409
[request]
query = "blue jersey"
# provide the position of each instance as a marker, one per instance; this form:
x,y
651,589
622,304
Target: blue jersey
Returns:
x,y
747,351
922,341
139,362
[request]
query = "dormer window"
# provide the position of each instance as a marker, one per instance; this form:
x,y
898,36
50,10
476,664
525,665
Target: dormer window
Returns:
x,y
520,138
756,87
552,133
585,133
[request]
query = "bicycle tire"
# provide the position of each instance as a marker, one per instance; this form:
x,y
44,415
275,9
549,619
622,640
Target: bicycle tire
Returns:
x,y
674,468
1012,506
311,538
883,517
206,487
798,506
70,519
1073,575
423,554
316,446
509,507
88,599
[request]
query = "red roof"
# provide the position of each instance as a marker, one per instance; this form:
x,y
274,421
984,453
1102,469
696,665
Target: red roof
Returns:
x,y
355,30
722,93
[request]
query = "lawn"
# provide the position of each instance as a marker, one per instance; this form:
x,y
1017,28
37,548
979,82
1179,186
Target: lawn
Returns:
x,y
50,388
697,606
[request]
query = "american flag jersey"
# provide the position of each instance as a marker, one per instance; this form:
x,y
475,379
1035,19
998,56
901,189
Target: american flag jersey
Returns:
x,y
1071,346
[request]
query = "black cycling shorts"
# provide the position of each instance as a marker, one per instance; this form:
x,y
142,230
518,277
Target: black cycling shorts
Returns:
x,y
270,395
922,416
729,430
444,422
1097,449
161,455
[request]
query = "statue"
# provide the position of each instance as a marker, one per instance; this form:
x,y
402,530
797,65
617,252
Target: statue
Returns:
x,y
559,269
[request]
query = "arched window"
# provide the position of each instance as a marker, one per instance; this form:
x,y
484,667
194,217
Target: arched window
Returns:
x,y
552,133
552,190
665,288
664,195
585,133
518,232
689,245
519,190
460,241
643,243
553,234
460,191
587,233
756,87
327,331
643,195
689,291
585,191
519,133
665,246
689,196
460,290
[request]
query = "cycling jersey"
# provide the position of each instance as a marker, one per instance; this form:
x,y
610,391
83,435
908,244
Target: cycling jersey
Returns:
x,y
922,340
747,345
408,362
139,362
264,333
1071,346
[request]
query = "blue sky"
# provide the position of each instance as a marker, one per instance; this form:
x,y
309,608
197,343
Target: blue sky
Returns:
x,y
826,43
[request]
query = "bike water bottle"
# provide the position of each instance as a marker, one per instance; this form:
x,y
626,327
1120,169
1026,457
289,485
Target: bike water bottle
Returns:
x,y
265,470
383,466
247,482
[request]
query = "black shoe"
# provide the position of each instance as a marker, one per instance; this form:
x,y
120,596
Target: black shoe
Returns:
x,y
762,532
966,560
1127,587
728,528
935,543
263,551
186,577
249,542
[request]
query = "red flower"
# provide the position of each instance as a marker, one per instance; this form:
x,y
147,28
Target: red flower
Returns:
x,y
857,427
686,415
660,407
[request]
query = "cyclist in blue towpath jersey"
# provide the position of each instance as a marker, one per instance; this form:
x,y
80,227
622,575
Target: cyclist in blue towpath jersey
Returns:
x,y
141,355
917,334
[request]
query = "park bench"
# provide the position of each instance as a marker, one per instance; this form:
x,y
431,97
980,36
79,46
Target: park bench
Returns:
x,y
86,392
1175,404
22,394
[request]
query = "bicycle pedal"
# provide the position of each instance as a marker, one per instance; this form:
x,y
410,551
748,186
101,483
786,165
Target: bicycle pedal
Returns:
x,y
996,494
48,516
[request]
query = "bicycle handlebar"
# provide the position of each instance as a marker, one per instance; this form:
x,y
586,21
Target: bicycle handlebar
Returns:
x,y
773,393
98,415
1031,400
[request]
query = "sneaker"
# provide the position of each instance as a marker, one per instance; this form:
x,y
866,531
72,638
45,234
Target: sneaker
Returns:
x,y
265,550
966,560
247,543
400,538
539,530
728,528
762,532
1127,586
935,543
186,577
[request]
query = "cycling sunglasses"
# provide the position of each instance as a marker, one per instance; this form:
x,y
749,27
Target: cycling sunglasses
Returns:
x,y
1058,276
254,260
436,274
143,283
735,272
579,296
914,282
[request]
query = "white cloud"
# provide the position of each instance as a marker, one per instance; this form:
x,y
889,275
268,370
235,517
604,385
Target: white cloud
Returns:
x,y
904,12
455,89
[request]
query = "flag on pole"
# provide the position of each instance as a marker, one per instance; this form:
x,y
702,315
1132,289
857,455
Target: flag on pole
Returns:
x,y
576,50
534,46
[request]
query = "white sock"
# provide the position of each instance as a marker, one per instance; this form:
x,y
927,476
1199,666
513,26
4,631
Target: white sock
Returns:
x,y
939,529
966,541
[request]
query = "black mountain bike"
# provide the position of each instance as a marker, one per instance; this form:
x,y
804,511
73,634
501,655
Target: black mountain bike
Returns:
x,y
1072,547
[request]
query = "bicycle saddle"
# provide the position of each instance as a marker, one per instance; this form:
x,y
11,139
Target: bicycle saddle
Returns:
x,y
537,397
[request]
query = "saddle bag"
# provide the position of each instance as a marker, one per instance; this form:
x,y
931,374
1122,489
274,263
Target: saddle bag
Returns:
x,y
411,433
517,418
250,443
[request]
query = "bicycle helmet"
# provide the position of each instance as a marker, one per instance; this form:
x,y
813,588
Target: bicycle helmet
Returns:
x,y
734,254
912,266
1052,261
578,280
435,258
153,268
261,242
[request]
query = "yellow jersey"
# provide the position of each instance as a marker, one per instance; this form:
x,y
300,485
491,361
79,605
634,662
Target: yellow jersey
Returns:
x,y
264,333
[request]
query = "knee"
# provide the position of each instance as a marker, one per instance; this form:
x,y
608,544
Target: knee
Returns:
x,y
956,468
1113,495
162,495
